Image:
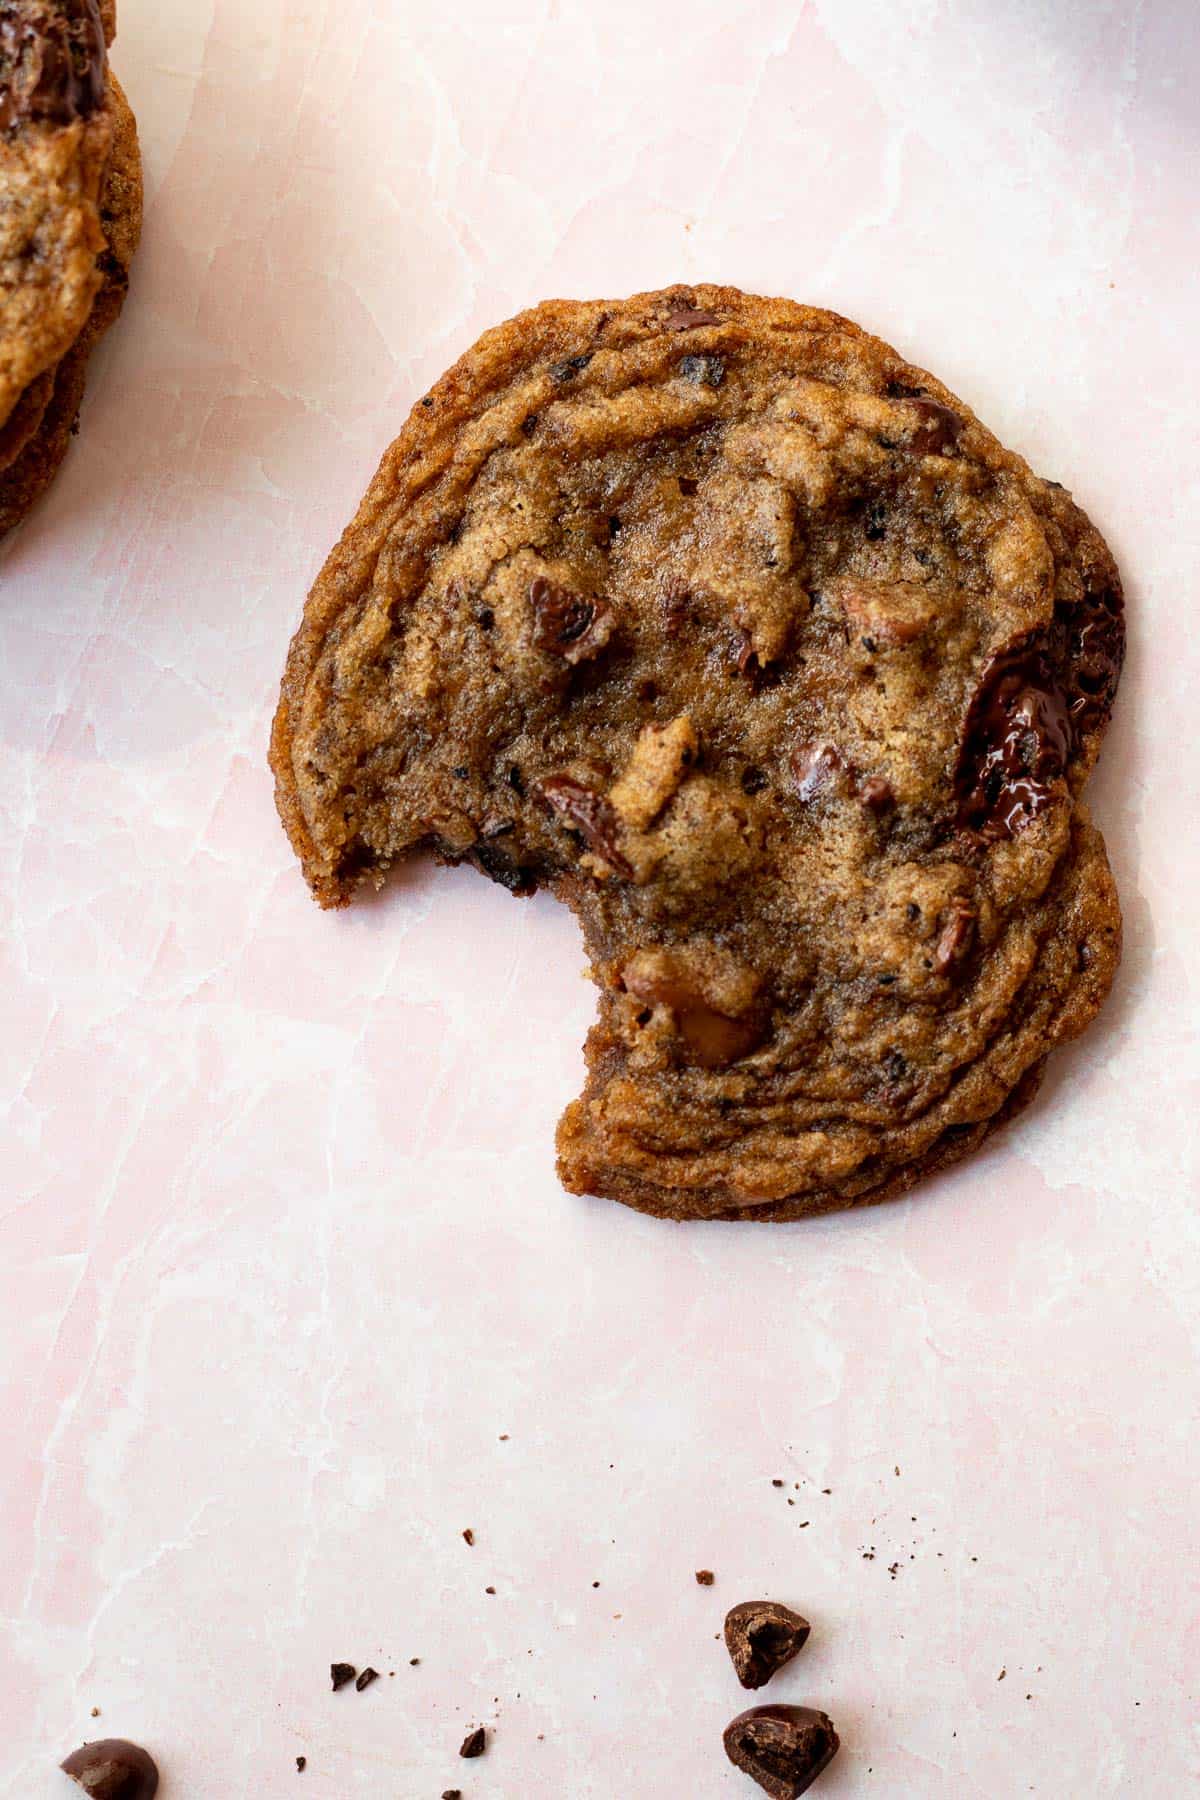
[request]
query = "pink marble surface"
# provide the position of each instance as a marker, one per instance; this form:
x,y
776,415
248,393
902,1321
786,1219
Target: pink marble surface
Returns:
x,y
288,1293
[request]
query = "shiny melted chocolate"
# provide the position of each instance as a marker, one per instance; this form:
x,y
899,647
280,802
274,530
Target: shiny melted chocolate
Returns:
x,y
53,62
1017,743
1030,712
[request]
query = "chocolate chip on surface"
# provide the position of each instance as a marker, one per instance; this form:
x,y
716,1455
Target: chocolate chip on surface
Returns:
x,y
761,1636
705,1577
782,1748
475,1743
113,1769
366,1678
341,1673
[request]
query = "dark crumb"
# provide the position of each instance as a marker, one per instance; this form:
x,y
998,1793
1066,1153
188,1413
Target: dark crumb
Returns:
x,y
468,1536
414,1662
475,1742
489,1590
777,1482
366,1678
595,1584
452,1794
1002,1674
705,1577
301,1764
341,1673
95,1712
504,1437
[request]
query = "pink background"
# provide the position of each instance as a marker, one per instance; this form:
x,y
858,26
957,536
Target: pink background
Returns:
x,y
282,1255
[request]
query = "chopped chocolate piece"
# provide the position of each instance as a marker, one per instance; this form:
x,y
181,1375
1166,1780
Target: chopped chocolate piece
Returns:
x,y
573,626
452,1794
112,1769
468,1536
783,1748
876,793
301,1764
761,1636
366,1678
689,318
475,1742
936,430
957,931
588,813
705,1577
341,1673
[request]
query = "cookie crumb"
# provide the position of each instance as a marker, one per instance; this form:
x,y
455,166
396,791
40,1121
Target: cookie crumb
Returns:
x,y
341,1673
705,1577
366,1678
301,1764
468,1536
475,1743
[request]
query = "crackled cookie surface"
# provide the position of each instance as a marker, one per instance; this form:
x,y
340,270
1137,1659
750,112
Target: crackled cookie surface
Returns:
x,y
70,216
743,636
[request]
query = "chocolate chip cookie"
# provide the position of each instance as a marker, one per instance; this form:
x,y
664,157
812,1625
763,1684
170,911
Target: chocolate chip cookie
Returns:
x,y
70,217
744,637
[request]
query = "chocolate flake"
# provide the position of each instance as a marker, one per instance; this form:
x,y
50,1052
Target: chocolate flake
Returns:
x,y
341,1673
475,1743
705,1577
301,1764
366,1678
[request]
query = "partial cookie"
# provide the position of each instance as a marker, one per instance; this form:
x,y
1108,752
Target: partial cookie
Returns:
x,y
746,638
41,311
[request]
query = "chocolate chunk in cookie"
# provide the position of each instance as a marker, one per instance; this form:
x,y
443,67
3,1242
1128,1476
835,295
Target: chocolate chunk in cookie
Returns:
x,y
747,640
113,1769
761,1636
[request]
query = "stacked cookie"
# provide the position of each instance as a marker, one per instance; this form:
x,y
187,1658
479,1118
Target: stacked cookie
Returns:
x,y
70,217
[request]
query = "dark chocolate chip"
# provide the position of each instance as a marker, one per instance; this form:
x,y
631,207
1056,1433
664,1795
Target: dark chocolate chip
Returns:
x,y
761,1636
705,1577
342,1673
875,522
301,1764
782,1748
468,1536
689,318
366,1678
753,781
900,390
570,367
688,485
589,813
53,63
427,400
706,371
451,1794
112,1769
475,1742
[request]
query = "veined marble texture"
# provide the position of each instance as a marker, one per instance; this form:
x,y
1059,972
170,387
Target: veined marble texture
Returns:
x,y
289,1295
